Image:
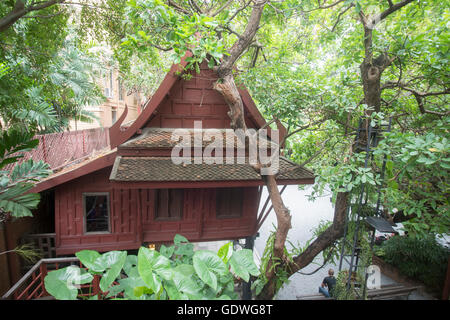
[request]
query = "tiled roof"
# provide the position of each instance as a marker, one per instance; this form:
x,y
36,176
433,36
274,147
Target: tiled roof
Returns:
x,y
154,169
169,138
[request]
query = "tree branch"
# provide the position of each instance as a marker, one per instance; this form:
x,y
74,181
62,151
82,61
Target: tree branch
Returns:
x,y
327,238
226,5
324,7
392,8
195,6
419,96
20,10
244,41
43,17
303,128
340,16
174,5
238,10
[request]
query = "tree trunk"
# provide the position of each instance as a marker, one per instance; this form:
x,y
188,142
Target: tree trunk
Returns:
x,y
323,241
227,88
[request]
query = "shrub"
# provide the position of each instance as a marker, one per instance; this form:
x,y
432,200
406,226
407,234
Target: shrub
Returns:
x,y
174,273
422,259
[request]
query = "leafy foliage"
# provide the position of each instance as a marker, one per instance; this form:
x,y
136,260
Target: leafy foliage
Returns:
x,y
176,272
49,72
419,258
310,78
15,184
180,32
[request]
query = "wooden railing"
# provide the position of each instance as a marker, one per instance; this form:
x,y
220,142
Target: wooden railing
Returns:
x,y
32,287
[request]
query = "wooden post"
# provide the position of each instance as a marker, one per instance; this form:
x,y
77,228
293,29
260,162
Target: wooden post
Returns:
x,y
96,286
43,268
246,288
445,292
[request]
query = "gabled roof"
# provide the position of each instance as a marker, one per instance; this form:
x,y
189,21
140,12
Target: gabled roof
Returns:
x,y
167,138
162,169
118,136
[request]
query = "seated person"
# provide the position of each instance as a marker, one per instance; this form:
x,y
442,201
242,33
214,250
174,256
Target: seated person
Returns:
x,y
328,284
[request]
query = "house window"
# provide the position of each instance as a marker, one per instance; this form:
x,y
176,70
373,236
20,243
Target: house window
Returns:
x,y
229,202
96,212
109,84
169,204
113,115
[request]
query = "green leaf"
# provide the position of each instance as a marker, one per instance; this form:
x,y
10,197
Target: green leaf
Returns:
x,y
185,269
127,285
179,239
242,264
87,258
185,250
167,251
152,266
208,265
139,291
225,251
130,266
14,200
186,285
114,261
62,283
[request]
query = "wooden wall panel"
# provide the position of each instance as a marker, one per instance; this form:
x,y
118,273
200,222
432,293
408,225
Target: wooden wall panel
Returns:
x,y
199,218
194,100
69,216
132,217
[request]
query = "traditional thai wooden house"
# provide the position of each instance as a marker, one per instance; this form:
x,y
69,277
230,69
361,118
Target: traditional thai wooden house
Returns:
x,y
135,194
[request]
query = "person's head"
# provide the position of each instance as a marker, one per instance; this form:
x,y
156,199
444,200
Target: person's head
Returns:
x,y
331,272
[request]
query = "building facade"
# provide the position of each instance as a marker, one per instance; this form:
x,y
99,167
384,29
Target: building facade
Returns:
x,y
117,97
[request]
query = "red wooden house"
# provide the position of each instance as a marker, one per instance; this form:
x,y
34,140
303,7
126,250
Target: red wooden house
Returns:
x,y
135,194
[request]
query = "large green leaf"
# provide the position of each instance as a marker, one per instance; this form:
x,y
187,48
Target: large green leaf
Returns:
x,y
242,264
128,285
152,266
88,258
208,266
113,261
15,140
62,284
130,266
14,200
179,239
173,292
186,285
225,251
30,171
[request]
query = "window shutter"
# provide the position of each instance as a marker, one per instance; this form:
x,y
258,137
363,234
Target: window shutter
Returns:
x,y
169,204
229,202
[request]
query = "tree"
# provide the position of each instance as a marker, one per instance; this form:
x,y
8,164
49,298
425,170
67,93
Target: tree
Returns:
x,y
317,67
234,26
51,69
